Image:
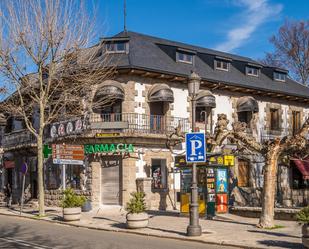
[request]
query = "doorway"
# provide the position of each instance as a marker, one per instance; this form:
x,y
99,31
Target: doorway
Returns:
x,y
111,180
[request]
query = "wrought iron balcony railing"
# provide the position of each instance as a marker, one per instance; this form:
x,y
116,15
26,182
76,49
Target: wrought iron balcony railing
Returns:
x,y
16,138
138,123
267,134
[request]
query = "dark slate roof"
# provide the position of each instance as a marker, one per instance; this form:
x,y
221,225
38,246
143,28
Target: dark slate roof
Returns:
x,y
156,54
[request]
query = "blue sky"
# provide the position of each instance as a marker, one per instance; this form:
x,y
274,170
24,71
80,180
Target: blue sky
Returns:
x,y
237,26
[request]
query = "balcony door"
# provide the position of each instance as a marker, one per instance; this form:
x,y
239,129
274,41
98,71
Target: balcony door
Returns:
x,y
157,116
112,111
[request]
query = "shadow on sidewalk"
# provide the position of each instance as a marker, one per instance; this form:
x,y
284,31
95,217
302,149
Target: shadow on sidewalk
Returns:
x,y
274,233
281,244
167,231
105,218
235,222
153,213
122,225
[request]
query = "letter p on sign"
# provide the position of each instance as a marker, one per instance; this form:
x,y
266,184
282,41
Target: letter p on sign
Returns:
x,y
195,147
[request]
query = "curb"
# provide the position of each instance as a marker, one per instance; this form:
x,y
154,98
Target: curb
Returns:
x,y
135,233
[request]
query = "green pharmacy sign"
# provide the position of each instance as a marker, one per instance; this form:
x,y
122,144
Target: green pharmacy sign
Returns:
x,y
108,148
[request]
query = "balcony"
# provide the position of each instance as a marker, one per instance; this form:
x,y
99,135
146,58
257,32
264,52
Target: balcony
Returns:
x,y
18,139
267,134
138,123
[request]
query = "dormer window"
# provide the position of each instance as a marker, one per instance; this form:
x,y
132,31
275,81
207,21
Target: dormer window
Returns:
x,y
252,71
222,65
116,47
184,57
278,76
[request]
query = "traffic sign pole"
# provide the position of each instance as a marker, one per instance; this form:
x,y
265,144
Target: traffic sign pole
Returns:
x,y
63,177
194,229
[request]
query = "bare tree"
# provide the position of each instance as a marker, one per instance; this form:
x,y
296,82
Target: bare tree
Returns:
x,y
270,150
291,50
46,64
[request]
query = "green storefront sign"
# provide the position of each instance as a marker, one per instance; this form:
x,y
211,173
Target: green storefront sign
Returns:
x,y
108,148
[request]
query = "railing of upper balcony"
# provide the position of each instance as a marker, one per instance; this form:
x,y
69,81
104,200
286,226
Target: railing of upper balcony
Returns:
x,y
267,134
19,137
138,123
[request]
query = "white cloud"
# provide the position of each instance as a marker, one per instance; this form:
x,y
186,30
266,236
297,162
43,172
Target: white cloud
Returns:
x,y
255,14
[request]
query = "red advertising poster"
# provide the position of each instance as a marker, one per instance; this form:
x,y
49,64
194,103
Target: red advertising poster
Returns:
x,y
9,164
221,203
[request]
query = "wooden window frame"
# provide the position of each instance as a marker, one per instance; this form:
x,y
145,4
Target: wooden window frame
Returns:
x,y
220,67
296,121
274,127
186,55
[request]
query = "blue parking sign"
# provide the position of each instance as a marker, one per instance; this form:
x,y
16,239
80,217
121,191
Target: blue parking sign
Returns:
x,y
195,147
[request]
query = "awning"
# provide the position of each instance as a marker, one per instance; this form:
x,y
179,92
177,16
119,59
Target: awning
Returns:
x,y
110,88
160,93
247,104
206,99
303,167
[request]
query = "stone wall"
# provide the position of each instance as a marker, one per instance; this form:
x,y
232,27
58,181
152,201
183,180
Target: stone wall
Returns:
x,y
53,197
159,199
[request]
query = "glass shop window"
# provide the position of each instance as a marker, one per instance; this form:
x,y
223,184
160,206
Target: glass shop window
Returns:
x,y
159,173
298,182
73,176
53,176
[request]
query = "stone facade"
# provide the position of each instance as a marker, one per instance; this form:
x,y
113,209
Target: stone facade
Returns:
x,y
137,165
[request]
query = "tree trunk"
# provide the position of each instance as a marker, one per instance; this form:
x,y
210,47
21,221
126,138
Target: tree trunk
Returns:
x,y
40,175
269,188
41,162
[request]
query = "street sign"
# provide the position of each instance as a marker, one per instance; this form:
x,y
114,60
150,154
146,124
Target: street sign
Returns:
x,y
68,154
195,147
24,168
68,161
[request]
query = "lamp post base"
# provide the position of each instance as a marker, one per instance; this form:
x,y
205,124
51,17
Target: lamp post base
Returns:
x,y
194,230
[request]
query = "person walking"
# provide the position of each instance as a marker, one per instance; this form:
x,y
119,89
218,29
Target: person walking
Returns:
x,y
8,195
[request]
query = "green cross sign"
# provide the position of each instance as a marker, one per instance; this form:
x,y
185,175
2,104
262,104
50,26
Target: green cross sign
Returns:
x,y
47,151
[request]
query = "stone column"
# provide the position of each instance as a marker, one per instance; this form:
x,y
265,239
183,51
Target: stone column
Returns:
x,y
96,184
128,179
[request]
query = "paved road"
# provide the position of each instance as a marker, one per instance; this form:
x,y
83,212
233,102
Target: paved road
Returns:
x,y
22,233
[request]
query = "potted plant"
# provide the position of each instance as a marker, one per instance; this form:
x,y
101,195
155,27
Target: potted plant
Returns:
x,y
136,216
72,204
303,217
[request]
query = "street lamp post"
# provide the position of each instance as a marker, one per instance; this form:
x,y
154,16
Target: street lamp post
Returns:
x,y
194,229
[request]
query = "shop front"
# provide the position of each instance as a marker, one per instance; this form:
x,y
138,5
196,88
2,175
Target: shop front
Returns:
x,y
212,185
96,172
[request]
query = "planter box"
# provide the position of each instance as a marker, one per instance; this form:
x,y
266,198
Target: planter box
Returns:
x,y
71,214
137,220
305,232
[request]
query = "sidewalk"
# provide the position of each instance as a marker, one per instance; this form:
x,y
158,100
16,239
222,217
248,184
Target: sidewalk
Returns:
x,y
226,229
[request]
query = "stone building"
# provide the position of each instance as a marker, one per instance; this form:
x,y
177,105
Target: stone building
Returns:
x,y
126,142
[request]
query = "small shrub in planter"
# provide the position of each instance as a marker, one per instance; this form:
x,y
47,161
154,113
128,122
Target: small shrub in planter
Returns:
x,y
136,207
72,204
303,217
